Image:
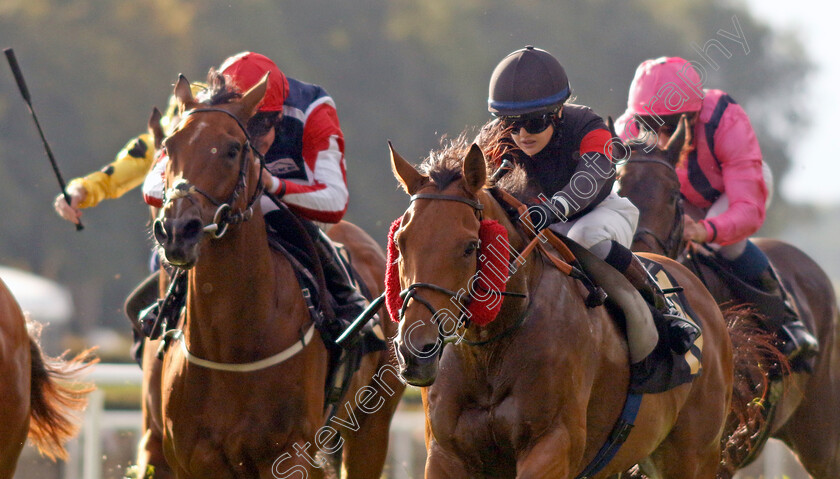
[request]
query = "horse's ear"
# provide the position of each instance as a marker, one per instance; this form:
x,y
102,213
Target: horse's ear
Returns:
x,y
677,141
474,169
155,128
183,94
410,179
611,126
253,97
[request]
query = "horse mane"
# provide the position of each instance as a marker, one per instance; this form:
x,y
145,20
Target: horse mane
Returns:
x,y
639,147
219,92
443,165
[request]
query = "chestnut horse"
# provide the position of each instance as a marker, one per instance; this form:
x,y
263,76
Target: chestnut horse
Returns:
x,y
36,400
240,392
536,392
805,418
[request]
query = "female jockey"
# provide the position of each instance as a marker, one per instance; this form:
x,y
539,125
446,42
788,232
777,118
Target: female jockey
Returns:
x,y
566,150
724,175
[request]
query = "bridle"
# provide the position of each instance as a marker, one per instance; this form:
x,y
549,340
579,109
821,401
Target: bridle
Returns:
x,y
670,245
412,291
224,216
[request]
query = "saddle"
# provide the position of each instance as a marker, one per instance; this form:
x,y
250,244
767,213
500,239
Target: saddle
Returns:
x,y
669,369
767,305
605,285
291,236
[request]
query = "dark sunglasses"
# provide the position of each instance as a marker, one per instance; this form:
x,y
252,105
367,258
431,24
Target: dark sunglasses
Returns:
x,y
532,124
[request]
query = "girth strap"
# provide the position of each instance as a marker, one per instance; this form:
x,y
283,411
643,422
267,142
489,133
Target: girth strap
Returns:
x,y
621,429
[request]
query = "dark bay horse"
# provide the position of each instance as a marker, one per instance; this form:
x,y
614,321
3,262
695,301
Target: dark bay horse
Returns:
x,y
535,392
240,391
36,397
806,418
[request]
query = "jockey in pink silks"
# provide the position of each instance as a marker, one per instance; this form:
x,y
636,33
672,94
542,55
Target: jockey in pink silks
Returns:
x,y
723,176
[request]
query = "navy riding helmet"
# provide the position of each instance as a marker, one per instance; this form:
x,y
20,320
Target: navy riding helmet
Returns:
x,y
527,81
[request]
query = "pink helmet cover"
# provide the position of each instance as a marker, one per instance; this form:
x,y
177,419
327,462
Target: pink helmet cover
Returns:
x,y
666,86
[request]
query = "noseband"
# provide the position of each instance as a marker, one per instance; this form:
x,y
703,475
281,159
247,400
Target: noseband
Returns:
x,y
224,215
671,245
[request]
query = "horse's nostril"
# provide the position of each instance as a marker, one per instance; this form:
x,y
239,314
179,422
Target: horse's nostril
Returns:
x,y
428,350
192,229
159,230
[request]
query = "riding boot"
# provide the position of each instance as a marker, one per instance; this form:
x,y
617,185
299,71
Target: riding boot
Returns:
x,y
138,301
798,344
348,302
681,333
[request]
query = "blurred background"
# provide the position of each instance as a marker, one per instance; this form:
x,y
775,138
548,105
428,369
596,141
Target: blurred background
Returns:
x,y
405,70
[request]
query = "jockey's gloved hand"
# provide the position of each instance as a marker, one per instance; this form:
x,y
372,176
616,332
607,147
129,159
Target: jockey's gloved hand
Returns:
x,y
542,215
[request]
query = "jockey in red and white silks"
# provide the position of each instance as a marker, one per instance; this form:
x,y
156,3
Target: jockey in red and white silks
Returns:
x,y
306,159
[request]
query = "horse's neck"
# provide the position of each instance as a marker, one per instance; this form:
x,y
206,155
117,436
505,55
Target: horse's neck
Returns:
x,y
239,294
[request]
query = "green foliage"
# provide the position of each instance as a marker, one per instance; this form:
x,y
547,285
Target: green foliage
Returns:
x,y
403,70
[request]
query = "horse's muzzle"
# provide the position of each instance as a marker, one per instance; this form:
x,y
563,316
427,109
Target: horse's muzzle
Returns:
x,y
418,367
179,239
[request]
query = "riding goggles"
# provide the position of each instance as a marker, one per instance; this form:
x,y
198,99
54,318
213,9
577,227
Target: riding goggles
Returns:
x,y
533,124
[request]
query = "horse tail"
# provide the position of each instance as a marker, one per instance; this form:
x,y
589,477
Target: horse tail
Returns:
x,y
55,397
754,355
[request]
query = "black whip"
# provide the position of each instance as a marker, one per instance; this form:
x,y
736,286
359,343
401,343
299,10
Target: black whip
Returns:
x,y
24,92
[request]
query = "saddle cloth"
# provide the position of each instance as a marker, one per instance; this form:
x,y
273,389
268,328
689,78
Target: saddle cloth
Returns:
x,y
670,369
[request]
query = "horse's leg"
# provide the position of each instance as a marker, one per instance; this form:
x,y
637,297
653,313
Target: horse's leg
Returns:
x,y
548,458
442,465
365,450
677,460
150,449
11,446
813,432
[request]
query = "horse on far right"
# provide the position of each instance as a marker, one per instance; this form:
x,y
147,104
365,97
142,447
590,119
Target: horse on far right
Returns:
x,y
799,408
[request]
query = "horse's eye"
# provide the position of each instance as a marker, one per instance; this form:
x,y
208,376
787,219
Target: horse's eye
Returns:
x,y
472,246
233,151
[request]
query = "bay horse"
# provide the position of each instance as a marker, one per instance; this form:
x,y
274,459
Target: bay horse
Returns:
x,y
240,392
38,399
804,418
536,392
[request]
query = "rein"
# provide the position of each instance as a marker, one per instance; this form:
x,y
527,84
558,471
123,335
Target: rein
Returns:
x,y
670,246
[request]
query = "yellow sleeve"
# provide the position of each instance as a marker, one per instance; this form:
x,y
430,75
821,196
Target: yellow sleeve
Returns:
x,y
127,171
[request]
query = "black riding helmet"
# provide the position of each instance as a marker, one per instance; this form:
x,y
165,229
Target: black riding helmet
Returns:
x,y
526,81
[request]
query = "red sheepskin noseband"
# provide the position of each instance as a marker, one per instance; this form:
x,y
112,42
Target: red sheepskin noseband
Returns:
x,y
485,287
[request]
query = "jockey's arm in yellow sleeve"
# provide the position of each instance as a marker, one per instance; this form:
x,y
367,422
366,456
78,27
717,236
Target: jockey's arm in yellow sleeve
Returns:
x,y
127,171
